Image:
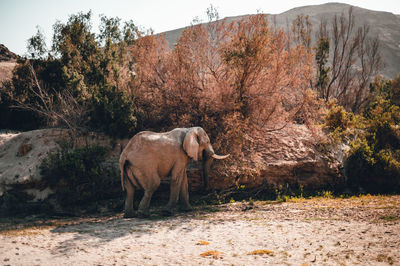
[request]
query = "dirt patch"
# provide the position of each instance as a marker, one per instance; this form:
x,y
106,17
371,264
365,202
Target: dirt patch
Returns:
x,y
363,230
23,149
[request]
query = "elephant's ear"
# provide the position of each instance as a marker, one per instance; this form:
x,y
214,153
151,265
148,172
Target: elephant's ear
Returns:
x,y
190,144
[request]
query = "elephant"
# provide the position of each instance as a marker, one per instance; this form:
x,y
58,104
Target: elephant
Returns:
x,y
149,157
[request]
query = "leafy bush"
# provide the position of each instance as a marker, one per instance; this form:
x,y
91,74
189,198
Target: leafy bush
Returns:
x,y
113,113
79,176
359,164
373,162
337,118
373,171
81,83
342,125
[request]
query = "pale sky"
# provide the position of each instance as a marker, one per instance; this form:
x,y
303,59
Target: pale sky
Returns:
x,y
19,18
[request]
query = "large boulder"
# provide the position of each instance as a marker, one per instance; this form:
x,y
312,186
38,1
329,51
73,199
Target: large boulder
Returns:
x,y
22,153
291,156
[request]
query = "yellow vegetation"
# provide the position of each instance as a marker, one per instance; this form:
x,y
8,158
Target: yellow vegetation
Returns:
x,y
25,231
261,252
212,253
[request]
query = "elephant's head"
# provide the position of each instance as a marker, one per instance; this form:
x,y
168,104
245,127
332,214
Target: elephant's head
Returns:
x,y
197,146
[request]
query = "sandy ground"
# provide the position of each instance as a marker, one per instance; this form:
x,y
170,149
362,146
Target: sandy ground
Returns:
x,y
363,230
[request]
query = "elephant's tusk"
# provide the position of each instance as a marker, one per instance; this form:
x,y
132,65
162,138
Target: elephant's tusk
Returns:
x,y
219,157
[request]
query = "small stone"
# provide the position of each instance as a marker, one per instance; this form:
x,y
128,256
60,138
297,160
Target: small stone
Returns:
x,y
24,149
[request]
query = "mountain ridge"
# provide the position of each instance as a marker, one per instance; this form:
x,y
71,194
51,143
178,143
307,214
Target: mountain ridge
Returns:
x,y
382,23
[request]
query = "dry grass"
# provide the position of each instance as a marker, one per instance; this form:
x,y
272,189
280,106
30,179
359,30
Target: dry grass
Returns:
x,y
390,218
261,252
32,226
19,228
213,253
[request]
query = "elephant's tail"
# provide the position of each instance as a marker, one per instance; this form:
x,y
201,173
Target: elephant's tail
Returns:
x,y
124,164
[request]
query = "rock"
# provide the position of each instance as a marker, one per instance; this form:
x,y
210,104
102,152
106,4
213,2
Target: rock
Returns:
x,y
7,55
22,153
8,61
16,168
291,156
24,149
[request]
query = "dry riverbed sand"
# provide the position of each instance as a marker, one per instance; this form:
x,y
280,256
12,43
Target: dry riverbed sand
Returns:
x,y
362,230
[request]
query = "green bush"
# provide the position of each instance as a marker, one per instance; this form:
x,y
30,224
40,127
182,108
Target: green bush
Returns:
x,y
373,171
337,118
113,113
17,91
343,126
359,165
84,81
373,162
80,177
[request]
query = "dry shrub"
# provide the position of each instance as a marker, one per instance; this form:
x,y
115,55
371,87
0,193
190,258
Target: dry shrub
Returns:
x,y
219,69
150,58
233,79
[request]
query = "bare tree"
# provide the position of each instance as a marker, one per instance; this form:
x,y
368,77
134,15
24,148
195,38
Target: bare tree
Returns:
x,y
58,108
321,60
301,30
355,60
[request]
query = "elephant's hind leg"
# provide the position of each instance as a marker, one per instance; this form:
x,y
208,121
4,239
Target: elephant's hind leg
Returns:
x,y
149,188
130,192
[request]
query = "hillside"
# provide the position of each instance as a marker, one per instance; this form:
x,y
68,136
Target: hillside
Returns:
x,y
7,55
384,24
7,63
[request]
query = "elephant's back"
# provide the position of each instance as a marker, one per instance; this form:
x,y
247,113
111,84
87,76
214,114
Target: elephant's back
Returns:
x,y
137,142
147,142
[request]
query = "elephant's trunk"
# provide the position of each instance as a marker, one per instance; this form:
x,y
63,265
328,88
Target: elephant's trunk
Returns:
x,y
206,165
208,156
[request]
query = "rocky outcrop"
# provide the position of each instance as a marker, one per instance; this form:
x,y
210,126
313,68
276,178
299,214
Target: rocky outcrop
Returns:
x,y
291,156
8,61
7,55
22,153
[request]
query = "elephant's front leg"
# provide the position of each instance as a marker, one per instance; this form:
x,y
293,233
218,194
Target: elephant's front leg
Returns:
x,y
184,194
175,187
